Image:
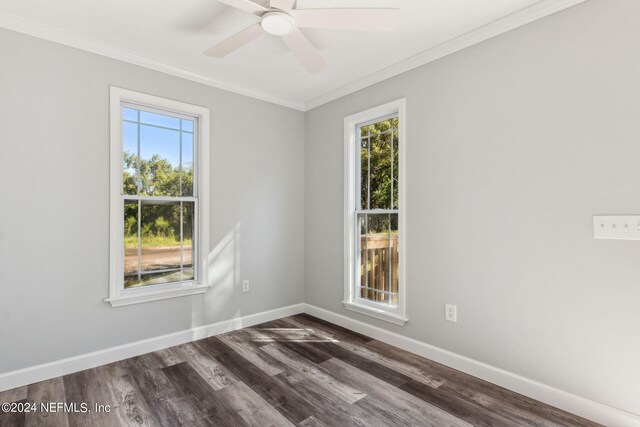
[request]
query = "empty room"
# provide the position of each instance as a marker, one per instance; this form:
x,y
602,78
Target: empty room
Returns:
x,y
320,213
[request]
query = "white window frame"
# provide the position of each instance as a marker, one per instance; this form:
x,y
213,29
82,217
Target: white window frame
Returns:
x,y
396,315
118,295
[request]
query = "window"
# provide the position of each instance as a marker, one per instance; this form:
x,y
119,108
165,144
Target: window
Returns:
x,y
374,203
159,177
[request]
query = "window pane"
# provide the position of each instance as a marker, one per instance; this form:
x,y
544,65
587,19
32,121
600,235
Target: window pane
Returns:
x,y
130,114
130,243
361,251
159,161
160,243
159,154
383,126
162,256
130,158
364,173
187,164
160,236
159,120
188,244
380,171
187,125
396,166
378,252
393,258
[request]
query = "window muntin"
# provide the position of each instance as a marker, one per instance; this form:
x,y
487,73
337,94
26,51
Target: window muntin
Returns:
x,y
377,212
160,210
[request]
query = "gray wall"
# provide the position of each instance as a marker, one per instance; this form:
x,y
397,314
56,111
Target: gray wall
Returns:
x,y
54,211
512,146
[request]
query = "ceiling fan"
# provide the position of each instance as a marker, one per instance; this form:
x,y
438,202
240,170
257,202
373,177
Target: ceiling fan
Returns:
x,y
280,18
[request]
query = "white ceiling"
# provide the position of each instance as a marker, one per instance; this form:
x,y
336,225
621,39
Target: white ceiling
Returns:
x,y
171,35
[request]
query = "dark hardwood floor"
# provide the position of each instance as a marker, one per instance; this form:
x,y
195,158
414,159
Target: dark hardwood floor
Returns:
x,y
295,371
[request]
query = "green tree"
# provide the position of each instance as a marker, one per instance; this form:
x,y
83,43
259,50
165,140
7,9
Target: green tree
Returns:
x,y
379,167
158,177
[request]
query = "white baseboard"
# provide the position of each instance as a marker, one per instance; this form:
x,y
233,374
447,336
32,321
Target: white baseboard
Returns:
x,y
581,406
57,368
561,399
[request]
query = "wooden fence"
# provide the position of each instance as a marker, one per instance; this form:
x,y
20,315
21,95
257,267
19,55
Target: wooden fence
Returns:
x,y
379,268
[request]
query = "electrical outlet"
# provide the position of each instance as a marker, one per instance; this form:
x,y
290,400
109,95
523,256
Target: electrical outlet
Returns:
x,y
451,313
245,286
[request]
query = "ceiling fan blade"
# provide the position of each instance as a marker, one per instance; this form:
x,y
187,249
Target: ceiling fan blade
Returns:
x,y
245,5
282,4
234,42
347,19
304,51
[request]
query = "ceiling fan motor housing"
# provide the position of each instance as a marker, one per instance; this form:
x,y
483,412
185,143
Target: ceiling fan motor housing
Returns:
x,y
277,23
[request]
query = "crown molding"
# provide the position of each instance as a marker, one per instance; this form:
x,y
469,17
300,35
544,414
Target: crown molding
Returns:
x,y
35,29
533,13
493,29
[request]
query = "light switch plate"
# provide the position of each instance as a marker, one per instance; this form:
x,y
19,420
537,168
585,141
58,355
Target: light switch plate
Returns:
x,y
616,227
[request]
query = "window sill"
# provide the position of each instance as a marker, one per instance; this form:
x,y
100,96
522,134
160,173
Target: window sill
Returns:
x,y
138,296
396,319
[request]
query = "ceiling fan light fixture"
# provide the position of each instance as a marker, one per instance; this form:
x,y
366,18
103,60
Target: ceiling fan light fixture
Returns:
x,y
277,23
282,18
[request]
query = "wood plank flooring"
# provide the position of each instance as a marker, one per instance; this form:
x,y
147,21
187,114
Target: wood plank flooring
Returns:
x,y
294,371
